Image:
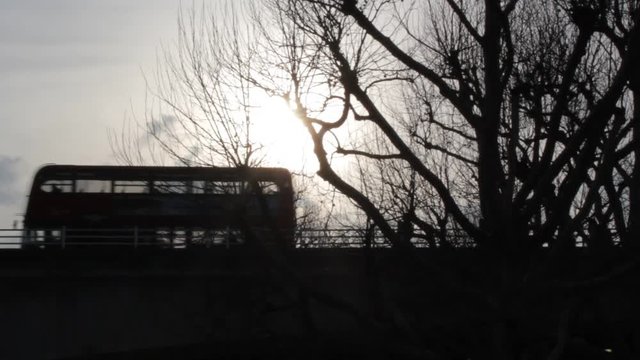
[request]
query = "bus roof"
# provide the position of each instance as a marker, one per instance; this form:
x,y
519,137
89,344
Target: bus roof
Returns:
x,y
159,172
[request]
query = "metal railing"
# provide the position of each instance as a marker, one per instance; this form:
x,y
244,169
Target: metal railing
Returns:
x,y
358,238
135,237
180,238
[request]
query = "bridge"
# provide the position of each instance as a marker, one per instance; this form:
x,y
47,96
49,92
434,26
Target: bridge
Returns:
x,y
129,297
76,293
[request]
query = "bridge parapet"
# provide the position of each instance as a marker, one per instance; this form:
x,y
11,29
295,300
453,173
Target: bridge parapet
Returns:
x,y
77,302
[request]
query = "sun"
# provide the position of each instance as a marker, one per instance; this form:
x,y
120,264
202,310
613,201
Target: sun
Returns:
x,y
285,141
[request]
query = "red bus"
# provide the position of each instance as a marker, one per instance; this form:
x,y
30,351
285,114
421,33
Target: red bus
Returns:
x,y
181,206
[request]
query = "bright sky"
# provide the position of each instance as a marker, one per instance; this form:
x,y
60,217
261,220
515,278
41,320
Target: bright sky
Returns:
x,y
70,70
73,69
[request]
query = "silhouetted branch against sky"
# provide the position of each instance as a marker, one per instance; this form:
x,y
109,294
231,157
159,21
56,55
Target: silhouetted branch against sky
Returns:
x,y
519,99
203,109
516,119
512,122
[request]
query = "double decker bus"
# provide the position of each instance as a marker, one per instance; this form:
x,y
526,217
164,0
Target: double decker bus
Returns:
x,y
171,206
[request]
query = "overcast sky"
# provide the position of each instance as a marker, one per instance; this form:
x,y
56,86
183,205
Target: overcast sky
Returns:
x,y
70,70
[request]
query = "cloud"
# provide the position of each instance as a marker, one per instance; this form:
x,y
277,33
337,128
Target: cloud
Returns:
x,y
157,127
8,179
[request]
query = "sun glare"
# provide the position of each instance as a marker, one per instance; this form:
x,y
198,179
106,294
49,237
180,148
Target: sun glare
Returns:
x,y
285,140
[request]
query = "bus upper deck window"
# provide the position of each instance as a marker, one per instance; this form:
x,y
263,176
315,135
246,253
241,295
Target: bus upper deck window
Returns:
x,y
223,187
57,186
269,187
196,187
130,186
93,186
171,187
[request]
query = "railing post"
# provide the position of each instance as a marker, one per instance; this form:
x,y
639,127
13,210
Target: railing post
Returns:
x,y
63,235
135,236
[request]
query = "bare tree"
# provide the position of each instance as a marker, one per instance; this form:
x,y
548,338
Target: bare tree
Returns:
x,y
197,112
201,107
513,123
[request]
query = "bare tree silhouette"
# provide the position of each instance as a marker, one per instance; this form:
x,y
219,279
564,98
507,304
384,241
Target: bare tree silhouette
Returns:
x,y
515,123
200,108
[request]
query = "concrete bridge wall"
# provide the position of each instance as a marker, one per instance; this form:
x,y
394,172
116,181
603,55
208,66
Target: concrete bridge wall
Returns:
x,y
77,303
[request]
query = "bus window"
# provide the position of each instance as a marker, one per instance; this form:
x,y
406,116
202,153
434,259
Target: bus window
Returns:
x,y
223,187
93,186
170,187
57,186
269,187
130,186
198,187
